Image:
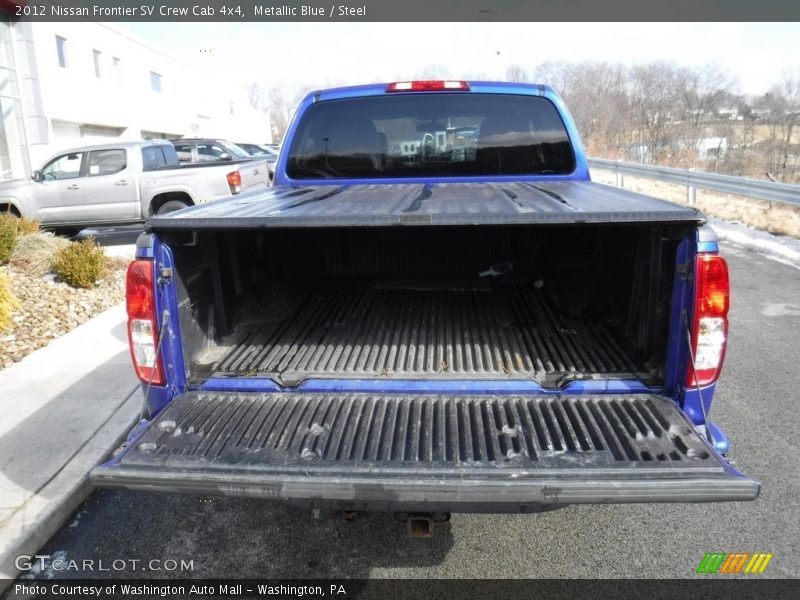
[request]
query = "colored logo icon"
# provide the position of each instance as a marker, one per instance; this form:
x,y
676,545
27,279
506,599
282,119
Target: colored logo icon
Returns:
x,y
734,562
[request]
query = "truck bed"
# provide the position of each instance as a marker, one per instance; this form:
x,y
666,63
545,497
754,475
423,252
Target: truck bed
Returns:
x,y
426,303
405,330
564,202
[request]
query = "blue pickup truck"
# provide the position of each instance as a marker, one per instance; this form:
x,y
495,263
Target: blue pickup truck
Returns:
x,y
433,310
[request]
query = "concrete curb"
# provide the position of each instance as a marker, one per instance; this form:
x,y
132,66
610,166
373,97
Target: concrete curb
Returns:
x,y
65,408
40,519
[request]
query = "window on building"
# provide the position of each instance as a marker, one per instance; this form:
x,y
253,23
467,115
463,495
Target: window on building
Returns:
x,y
100,131
97,60
155,81
61,49
107,162
6,53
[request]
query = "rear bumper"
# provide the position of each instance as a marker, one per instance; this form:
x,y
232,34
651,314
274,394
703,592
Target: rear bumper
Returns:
x,y
468,495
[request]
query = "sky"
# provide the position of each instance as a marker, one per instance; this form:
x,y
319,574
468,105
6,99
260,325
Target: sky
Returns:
x,y
293,55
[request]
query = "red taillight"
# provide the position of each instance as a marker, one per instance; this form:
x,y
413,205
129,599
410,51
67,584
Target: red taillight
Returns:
x,y
142,324
428,86
710,323
235,182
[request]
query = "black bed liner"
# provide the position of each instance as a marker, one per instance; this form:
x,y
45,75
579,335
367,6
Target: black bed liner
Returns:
x,y
362,329
565,202
451,452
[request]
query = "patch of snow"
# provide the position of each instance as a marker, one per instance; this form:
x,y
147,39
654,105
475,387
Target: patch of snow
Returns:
x,y
48,572
77,520
780,310
781,248
123,251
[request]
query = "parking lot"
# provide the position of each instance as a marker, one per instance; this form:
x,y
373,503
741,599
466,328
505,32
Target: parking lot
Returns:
x,y
756,405
112,236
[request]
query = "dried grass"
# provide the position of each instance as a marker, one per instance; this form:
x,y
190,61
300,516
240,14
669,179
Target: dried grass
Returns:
x,y
776,218
34,253
8,301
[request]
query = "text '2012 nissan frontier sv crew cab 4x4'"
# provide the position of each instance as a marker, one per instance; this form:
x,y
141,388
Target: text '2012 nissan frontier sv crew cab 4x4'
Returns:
x,y
433,310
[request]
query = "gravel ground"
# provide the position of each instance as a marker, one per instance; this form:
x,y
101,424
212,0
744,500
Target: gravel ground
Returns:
x,y
50,308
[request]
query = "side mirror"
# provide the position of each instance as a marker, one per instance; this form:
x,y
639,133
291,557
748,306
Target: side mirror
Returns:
x,y
37,176
225,156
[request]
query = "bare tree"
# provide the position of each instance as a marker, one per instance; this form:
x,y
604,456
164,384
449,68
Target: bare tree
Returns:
x,y
516,73
596,93
255,92
598,98
789,119
278,111
555,74
655,90
434,72
702,91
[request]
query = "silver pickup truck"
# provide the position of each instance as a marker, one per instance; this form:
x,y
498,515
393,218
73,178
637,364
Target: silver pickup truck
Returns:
x,y
123,182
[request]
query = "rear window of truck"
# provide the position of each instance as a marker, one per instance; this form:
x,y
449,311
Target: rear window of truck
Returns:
x,y
430,135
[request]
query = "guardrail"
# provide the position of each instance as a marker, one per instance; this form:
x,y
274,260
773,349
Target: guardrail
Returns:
x,y
785,193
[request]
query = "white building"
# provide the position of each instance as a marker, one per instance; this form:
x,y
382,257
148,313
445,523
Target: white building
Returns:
x,y
712,147
66,84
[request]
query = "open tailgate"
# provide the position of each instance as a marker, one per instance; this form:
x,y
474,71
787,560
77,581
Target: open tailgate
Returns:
x,y
427,452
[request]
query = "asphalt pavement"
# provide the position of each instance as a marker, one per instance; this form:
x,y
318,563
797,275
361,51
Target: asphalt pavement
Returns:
x,y
757,405
111,236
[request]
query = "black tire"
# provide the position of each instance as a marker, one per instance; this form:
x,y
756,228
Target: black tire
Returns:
x,y
171,206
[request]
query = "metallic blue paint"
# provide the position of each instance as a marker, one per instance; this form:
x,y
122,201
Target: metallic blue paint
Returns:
x,y
682,297
239,384
171,351
690,402
137,431
581,172
710,247
452,386
721,442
